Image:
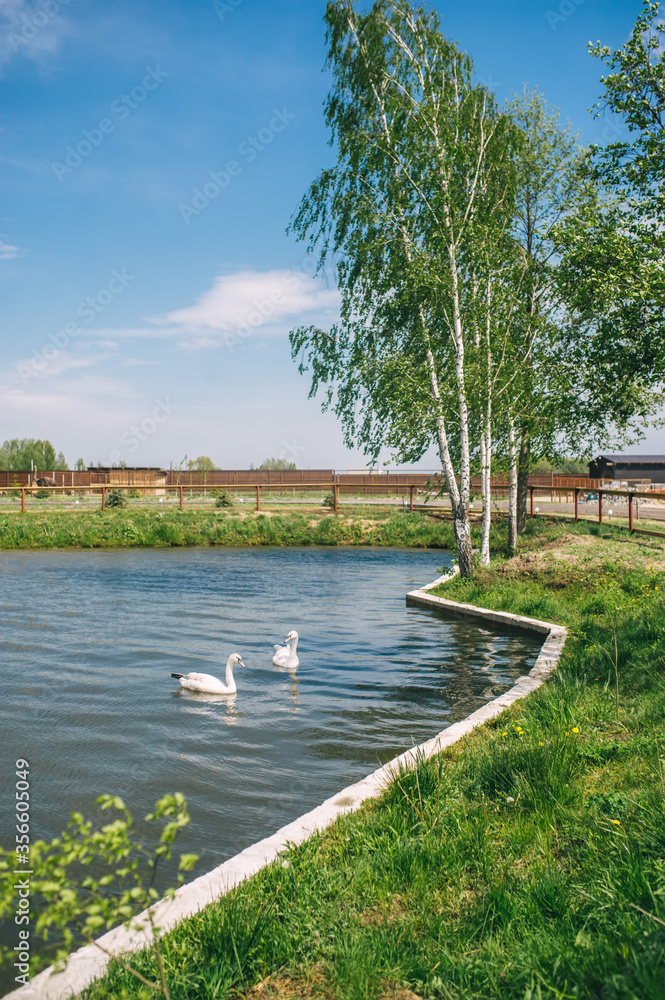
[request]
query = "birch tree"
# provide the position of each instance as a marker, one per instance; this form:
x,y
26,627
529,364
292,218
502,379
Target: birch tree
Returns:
x,y
420,190
550,188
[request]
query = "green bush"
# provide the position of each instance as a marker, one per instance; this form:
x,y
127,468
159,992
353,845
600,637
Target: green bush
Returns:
x,y
223,498
116,498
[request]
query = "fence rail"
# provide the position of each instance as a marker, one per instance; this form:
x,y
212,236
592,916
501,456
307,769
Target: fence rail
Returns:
x,y
411,489
144,478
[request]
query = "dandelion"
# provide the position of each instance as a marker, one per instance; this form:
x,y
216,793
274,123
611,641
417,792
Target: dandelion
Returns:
x,y
617,822
575,729
541,744
567,734
504,734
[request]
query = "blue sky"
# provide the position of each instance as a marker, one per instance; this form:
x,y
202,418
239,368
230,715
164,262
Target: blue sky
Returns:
x,y
142,320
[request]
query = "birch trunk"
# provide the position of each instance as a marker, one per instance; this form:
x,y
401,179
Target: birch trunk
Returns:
x,y
460,508
486,482
523,469
512,500
486,439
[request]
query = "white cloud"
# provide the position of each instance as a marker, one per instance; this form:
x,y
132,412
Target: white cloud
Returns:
x,y
236,307
7,251
239,304
30,29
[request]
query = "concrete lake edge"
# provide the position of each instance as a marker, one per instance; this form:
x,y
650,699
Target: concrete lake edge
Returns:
x,y
90,961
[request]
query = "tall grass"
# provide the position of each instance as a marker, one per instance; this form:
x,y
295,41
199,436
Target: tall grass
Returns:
x,y
130,529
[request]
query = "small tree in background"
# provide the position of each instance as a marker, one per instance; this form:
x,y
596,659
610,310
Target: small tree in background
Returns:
x,y
201,464
24,454
276,464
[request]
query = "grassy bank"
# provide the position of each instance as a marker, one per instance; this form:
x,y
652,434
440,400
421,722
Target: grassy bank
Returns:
x,y
131,529
152,528
527,862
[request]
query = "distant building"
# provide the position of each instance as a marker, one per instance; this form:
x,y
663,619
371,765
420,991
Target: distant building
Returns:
x,y
636,468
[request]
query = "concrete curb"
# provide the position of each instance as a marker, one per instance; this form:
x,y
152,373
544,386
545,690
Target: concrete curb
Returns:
x,y
89,963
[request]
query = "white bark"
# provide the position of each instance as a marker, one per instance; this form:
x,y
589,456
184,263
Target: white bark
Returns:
x,y
486,482
512,500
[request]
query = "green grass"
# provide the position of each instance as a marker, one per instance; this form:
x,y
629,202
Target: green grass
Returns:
x,y
130,529
526,862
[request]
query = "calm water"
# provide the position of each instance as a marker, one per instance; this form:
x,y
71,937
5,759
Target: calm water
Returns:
x,y
89,640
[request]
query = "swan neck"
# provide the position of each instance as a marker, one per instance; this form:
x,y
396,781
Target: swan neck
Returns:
x,y
294,646
229,672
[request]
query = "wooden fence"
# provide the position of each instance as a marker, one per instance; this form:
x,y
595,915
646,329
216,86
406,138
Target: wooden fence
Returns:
x,y
291,478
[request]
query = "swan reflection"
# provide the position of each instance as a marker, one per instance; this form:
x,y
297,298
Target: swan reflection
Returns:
x,y
199,703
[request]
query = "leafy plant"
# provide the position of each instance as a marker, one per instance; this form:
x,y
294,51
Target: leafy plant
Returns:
x,y
116,498
75,904
329,500
223,498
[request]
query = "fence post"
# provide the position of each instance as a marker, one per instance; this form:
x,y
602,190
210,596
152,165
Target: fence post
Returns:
x,y
411,500
577,505
258,498
103,498
335,489
630,513
181,498
600,507
531,491
23,500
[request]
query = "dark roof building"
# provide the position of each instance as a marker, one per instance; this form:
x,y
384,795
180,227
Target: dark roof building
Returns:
x,y
629,467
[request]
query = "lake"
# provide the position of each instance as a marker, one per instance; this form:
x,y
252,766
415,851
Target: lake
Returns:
x,y
90,638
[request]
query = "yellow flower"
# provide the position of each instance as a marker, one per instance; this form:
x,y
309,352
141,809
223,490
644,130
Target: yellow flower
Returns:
x,y
616,822
567,734
541,744
576,730
504,734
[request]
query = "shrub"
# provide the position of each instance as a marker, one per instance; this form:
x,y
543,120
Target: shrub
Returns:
x,y
116,498
328,500
223,498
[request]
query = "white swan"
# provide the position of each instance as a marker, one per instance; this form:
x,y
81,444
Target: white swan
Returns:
x,y
286,655
207,684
